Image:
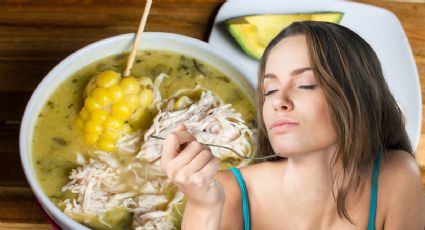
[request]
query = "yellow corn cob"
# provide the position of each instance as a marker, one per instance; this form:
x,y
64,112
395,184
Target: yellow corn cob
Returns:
x,y
109,103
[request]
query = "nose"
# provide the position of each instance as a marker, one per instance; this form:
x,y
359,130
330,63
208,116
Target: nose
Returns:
x,y
282,103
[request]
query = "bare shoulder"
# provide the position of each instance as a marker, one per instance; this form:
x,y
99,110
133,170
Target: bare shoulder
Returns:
x,y
398,167
401,192
232,212
401,161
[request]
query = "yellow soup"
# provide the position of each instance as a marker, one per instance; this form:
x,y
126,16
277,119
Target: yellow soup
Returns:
x,y
57,142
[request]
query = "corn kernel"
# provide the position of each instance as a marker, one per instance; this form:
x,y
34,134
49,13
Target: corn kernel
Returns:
x,y
111,134
107,78
138,114
114,93
106,145
84,114
126,128
91,104
113,122
146,97
141,118
93,127
130,85
89,87
101,96
99,115
146,82
182,102
91,139
121,110
132,100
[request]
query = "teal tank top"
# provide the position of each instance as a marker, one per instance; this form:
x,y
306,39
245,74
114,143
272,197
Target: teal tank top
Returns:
x,y
373,198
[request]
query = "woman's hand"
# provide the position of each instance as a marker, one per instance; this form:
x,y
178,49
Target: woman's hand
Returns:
x,y
192,168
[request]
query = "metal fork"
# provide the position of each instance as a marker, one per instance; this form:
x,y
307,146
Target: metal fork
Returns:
x,y
228,148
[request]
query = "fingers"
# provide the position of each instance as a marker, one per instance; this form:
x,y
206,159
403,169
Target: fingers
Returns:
x,y
188,174
189,161
188,154
173,141
180,127
206,175
199,161
195,165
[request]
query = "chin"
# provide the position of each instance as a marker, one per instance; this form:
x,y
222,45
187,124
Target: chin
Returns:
x,y
286,149
285,143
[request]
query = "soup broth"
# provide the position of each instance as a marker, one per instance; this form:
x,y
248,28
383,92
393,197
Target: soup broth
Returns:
x,y
57,142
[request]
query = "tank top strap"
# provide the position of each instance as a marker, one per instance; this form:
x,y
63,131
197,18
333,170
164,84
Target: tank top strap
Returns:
x,y
245,202
374,193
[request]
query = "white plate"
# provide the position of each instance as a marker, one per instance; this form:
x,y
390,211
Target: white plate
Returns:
x,y
379,27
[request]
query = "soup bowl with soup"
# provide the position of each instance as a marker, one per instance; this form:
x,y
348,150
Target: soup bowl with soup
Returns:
x,y
85,141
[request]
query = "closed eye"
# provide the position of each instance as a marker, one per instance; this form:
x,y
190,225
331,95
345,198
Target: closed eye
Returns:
x,y
269,92
307,86
301,87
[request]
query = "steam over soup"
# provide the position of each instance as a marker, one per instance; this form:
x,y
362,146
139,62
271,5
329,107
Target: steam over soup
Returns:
x,y
119,184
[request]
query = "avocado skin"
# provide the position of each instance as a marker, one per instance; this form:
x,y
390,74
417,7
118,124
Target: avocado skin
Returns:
x,y
246,33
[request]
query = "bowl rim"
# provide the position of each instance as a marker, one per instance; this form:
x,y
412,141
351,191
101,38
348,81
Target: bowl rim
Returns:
x,y
26,132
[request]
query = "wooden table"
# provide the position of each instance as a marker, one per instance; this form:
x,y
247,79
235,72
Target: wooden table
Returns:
x,y
36,35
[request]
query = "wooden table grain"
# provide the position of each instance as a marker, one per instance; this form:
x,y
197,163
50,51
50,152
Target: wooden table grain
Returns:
x,y
37,35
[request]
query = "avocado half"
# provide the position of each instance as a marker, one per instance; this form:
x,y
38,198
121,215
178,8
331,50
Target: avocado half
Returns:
x,y
254,32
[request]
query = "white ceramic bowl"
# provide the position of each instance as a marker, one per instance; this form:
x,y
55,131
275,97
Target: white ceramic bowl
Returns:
x,y
98,50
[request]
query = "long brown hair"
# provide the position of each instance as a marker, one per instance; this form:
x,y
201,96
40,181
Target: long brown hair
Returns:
x,y
364,113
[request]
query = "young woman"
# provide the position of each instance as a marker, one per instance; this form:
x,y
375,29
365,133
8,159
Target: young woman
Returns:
x,y
346,160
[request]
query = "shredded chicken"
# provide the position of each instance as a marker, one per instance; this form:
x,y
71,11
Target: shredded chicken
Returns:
x,y
132,179
209,120
99,189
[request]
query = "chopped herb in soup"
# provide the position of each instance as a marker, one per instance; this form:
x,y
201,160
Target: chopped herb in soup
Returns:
x,y
92,150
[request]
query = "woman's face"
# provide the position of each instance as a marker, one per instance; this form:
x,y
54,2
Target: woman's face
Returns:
x,y
295,111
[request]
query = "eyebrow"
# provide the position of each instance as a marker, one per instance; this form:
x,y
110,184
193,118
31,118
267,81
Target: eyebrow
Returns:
x,y
293,73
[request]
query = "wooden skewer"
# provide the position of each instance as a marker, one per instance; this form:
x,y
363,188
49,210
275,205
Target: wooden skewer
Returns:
x,y
136,42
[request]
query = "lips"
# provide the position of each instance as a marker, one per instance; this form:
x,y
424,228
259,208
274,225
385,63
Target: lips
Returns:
x,y
282,124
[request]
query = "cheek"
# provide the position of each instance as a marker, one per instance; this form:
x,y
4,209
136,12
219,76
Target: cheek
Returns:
x,y
267,113
321,120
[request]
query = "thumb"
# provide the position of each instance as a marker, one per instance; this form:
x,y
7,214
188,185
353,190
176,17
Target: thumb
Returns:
x,y
180,127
